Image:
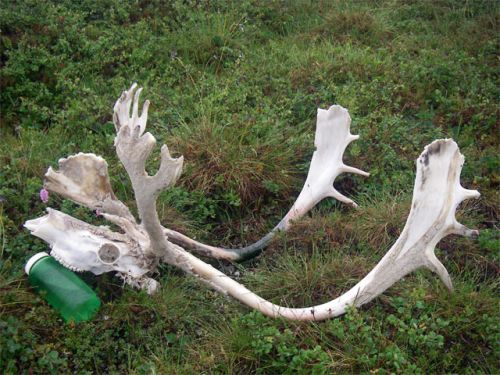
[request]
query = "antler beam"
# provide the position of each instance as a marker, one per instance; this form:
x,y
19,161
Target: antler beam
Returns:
x,y
133,148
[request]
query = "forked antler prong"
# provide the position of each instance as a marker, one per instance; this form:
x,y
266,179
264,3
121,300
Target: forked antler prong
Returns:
x,y
133,147
436,196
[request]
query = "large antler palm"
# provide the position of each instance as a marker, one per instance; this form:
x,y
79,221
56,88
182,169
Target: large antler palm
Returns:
x,y
135,253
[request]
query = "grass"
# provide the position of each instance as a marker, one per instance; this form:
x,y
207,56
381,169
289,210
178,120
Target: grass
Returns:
x,y
234,88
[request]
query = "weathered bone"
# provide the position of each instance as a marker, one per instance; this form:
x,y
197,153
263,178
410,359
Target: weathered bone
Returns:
x,y
133,148
331,139
83,247
84,179
437,194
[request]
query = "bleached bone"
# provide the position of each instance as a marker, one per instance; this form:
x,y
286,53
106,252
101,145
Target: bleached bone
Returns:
x,y
83,178
83,247
133,148
437,194
331,139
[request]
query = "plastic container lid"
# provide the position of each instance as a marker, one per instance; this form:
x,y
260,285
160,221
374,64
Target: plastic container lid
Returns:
x,y
31,261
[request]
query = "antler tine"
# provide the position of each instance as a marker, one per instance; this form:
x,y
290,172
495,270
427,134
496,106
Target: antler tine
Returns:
x,y
436,195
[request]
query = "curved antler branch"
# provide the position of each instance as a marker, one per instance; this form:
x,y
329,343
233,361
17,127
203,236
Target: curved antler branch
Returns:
x,y
331,139
436,196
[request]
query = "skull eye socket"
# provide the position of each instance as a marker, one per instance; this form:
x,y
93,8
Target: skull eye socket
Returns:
x,y
108,253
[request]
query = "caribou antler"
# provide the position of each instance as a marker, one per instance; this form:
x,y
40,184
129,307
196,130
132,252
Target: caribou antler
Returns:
x,y
331,139
437,194
133,148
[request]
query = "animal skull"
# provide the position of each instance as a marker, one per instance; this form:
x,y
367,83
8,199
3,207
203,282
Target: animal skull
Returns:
x,y
84,247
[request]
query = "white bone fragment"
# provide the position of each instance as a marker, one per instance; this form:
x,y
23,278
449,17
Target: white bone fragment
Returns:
x,y
84,179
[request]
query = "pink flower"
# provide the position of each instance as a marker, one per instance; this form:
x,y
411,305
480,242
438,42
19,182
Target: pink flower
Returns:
x,y
44,195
